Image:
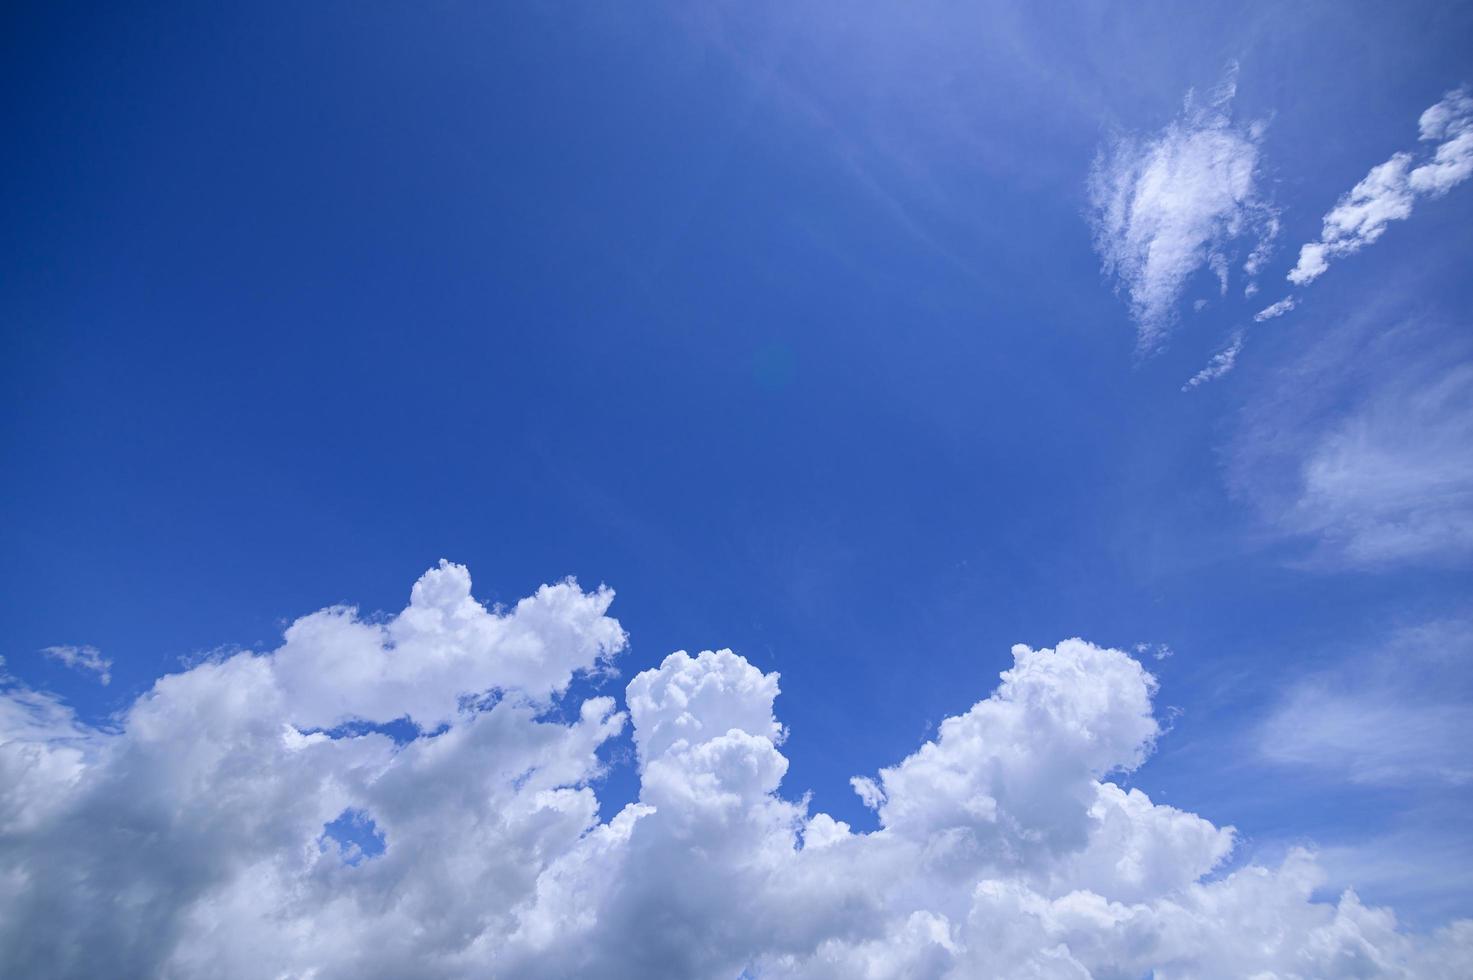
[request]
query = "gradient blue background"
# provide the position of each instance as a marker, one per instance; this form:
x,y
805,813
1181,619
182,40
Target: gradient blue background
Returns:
x,y
783,320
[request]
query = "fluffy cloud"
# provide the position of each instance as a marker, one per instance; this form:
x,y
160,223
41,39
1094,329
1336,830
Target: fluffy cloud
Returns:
x,y
204,833
335,668
1165,206
1390,190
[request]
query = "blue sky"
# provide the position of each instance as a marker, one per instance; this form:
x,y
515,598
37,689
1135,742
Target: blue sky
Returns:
x,y
787,322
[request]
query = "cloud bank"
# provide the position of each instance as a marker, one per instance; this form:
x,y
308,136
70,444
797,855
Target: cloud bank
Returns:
x,y
244,818
1165,206
1390,190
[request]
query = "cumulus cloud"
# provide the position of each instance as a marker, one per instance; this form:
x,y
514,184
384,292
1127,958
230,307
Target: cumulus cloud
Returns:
x,y
87,659
1222,362
1390,190
334,667
1166,205
207,833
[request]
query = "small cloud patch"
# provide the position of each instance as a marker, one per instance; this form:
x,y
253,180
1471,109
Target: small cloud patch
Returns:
x,y
84,658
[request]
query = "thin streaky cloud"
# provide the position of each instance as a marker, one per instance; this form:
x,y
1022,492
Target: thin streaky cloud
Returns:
x,y
1394,715
1275,309
84,658
1222,362
1358,446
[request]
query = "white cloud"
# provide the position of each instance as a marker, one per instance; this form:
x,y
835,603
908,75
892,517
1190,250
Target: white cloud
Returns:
x,y
1259,257
192,839
84,658
1158,651
1275,309
1423,865
1390,190
1394,716
1222,362
1165,206
1391,718
1394,479
334,667
1451,122
1373,736
1360,446
690,699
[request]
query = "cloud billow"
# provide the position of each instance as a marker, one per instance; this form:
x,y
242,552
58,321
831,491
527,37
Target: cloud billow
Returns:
x,y
191,838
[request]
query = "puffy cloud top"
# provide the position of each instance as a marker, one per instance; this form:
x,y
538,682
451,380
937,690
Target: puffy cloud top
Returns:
x,y
1020,766
203,834
445,646
690,699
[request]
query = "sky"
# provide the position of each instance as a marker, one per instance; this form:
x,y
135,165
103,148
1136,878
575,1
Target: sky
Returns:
x,y
1063,416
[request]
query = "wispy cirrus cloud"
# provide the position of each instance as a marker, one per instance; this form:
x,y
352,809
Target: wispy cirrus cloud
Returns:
x,y
1167,205
1393,715
1371,735
1222,362
1275,309
1391,189
1359,445
85,658
1394,480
